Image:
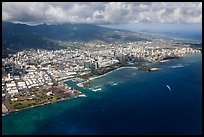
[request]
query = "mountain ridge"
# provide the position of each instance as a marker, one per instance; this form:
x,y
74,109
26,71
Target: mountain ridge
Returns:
x,y
16,37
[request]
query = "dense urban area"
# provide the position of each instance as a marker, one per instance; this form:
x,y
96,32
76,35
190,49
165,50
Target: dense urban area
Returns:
x,y
35,77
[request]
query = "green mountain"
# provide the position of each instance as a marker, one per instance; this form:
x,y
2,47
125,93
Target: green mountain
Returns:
x,y
16,37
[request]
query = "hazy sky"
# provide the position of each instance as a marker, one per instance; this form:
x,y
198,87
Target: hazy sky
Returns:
x,y
102,13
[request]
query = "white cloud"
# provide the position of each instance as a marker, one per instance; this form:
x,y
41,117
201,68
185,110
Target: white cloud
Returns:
x,y
102,13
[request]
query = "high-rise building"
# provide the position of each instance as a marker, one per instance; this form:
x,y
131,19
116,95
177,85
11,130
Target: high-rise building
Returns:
x,y
49,68
41,73
92,67
13,70
92,61
87,64
93,64
114,53
96,65
18,54
9,76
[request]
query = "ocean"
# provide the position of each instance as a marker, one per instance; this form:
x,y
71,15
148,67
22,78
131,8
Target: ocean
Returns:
x,y
128,101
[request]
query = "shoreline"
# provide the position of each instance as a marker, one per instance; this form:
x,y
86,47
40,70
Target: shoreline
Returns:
x,y
92,78
79,85
63,99
133,67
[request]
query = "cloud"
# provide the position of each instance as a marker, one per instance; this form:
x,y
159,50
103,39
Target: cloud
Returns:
x,y
102,12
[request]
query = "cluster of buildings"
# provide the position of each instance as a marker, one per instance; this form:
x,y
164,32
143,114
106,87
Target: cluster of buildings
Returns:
x,y
35,68
155,51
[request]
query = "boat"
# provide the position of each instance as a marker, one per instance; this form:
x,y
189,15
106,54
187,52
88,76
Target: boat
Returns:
x,y
168,87
98,89
163,61
177,66
83,95
115,83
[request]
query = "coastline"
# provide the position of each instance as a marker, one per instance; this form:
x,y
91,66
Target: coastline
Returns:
x,y
63,99
79,85
92,78
89,106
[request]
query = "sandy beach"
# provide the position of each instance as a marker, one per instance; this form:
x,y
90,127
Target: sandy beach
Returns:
x,y
133,67
92,78
4,109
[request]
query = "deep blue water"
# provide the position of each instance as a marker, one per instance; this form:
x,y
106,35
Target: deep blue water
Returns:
x,y
138,103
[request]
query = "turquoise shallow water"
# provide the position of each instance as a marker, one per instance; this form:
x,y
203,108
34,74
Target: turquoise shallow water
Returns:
x,y
130,101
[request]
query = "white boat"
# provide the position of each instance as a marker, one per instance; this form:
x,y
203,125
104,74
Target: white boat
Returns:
x,y
98,89
162,61
178,66
168,87
115,83
83,95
